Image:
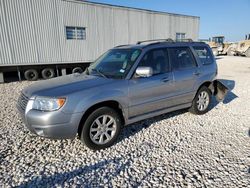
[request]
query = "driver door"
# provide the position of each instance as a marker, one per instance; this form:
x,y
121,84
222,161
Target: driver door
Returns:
x,y
151,93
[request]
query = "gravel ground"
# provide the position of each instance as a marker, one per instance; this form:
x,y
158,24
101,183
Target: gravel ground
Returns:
x,y
176,149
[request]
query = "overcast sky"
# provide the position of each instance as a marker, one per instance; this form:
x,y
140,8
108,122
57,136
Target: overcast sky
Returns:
x,y
230,18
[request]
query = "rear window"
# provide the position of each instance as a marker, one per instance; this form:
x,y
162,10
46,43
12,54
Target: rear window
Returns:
x,y
204,55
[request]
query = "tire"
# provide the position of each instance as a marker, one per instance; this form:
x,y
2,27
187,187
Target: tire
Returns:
x,y
196,108
48,73
77,70
248,52
89,131
31,75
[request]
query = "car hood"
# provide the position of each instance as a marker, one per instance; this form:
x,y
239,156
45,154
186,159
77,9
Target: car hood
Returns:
x,y
64,85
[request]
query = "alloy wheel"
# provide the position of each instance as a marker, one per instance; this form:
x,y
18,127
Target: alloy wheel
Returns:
x,y
203,101
103,129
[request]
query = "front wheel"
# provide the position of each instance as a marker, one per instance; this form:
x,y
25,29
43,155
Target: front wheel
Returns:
x,y
201,102
101,128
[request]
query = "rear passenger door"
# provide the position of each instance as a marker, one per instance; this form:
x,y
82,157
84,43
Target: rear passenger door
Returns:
x,y
185,72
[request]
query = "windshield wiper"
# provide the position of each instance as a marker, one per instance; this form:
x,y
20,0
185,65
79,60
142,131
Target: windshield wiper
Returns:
x,y
99,72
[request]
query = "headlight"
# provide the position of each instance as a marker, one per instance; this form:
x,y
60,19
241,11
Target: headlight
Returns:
x,y
48,104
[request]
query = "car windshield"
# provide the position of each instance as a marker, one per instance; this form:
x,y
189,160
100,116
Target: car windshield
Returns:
x,y
115,63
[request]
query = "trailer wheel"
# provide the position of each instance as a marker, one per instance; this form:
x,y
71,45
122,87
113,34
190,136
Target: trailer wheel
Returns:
x,y
77,70
31,75
48,73
248,52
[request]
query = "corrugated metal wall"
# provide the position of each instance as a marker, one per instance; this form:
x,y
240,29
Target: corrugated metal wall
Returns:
x,y
33,31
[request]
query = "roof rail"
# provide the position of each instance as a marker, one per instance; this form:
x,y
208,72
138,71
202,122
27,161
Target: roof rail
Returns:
x,y
164,40
185,40
122,45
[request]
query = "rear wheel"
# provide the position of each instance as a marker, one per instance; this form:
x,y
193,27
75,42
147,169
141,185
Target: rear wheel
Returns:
x,y
201,102
101,128
31,75
48,73
77,70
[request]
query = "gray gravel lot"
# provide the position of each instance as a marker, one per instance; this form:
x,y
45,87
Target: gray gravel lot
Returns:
x,y
176,149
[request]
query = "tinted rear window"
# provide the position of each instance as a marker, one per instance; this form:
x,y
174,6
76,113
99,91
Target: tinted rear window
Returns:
x,y
181,58
204,55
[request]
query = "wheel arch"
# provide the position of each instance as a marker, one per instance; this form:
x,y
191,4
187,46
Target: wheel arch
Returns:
x,y
217,88
208,84
109,103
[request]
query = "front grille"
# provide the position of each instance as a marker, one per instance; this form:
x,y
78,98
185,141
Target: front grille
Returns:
x,y
22,101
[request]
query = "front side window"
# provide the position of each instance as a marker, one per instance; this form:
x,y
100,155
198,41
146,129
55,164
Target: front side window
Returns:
x,y
76,33
157,60
204,55
181,58
115,63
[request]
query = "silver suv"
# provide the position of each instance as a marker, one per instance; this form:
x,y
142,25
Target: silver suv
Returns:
x,y
126,84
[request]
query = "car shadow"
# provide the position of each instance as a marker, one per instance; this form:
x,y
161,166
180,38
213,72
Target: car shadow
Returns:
x,y
134,128
94,175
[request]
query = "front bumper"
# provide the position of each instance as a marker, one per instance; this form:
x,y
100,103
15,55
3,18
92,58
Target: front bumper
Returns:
x,y
55,125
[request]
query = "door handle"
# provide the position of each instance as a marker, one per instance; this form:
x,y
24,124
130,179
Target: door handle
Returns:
x,y
165,79
196,73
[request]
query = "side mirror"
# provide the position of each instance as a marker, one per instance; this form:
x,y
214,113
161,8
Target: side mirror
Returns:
x,y
144,72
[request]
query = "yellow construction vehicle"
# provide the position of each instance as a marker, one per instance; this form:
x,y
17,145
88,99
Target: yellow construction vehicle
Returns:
x,y
232,49
218,46
243,47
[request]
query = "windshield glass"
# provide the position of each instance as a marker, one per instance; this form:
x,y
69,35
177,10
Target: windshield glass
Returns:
x,y
115,63
218,39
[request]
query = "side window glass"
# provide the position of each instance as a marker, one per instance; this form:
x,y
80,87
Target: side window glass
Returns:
x,y
157,60
204,55
181,58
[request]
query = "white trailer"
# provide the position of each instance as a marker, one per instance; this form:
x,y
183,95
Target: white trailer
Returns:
x,y
46,38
